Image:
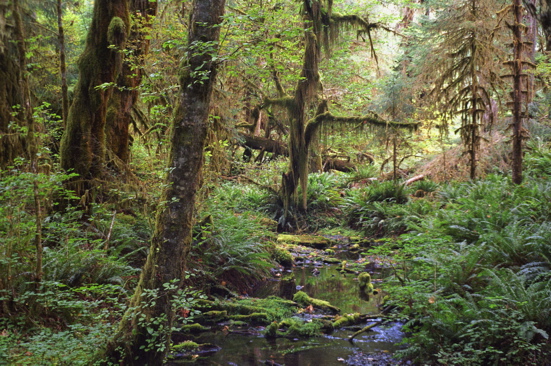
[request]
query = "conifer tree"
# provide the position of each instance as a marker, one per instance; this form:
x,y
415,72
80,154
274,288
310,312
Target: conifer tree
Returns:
x,y
463,62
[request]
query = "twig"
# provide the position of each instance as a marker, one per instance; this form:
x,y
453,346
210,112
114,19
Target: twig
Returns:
x,y
106,244
365,329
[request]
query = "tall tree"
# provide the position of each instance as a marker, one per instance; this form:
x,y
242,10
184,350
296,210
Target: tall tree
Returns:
x,y
125,94
521,84
144,332
62,63
545,19
83,143
16,124
462,65
321,28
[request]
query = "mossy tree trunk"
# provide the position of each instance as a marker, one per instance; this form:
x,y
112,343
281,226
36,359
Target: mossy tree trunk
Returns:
x,y
125,95
519,91
15,109
62,64
145,324
321,27
304,94
83,143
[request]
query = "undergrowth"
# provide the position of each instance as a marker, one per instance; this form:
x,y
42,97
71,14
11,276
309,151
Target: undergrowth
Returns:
x,y
474,275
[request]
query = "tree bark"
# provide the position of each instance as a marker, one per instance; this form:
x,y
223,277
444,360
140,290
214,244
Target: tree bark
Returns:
x,y
83,143
13,120
172,238
545,20
125,95
62,65
518,97
304,94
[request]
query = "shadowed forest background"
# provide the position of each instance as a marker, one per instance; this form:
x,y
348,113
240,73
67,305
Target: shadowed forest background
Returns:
x,y
161,160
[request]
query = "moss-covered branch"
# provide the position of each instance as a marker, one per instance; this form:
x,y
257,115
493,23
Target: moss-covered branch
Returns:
x,y
287,102
372,119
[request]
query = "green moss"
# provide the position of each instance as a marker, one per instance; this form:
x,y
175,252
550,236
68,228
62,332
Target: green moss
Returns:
x,y
274,308
271,330
193,328
345,320
302,298
259,318
364,283
364,279
314,241
298,328
116,33
213,316
283,257
185,346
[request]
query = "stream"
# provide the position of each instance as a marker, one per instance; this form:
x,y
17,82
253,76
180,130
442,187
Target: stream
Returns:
x,y
248,346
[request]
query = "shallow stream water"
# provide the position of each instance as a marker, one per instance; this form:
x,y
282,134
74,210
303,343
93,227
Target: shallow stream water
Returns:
x,y
248,347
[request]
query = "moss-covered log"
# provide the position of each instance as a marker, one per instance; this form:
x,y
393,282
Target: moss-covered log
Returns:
x,y
144,331
83,143
305,300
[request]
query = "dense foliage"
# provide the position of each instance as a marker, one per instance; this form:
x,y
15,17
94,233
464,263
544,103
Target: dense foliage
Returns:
x,y
402,103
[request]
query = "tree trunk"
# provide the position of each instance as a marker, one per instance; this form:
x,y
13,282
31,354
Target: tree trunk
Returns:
x,y
304,94
62,65
518,97
83,143
545,19
13,121
144,332
119,114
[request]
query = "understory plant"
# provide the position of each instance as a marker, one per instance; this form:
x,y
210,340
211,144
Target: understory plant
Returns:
x,y
473,276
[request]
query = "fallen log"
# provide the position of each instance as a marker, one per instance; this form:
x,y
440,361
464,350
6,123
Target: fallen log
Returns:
x,y
337,164
414,179
365,329
264,144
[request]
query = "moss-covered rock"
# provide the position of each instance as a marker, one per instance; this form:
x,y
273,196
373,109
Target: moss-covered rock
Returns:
x,y
314,241
185,346
364,283
193,328
283,257
255,318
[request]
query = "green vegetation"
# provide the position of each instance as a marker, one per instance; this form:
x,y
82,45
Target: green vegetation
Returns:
x,y
375,136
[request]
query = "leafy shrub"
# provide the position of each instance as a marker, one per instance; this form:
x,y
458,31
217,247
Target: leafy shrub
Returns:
x,y
388,191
